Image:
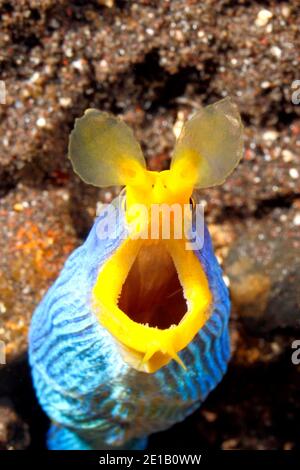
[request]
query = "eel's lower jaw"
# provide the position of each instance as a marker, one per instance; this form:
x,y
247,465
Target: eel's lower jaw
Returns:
x,y
153,297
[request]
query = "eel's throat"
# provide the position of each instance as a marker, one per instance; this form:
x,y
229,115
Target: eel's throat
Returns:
x,y
153,297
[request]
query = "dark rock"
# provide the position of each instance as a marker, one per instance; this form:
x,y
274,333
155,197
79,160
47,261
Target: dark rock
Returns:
x,y
263,267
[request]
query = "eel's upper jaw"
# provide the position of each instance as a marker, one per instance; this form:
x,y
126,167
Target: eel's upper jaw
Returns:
x,y
153,297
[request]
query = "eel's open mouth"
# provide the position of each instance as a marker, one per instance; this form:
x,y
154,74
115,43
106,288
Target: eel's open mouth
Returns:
x,y
152,293
153,297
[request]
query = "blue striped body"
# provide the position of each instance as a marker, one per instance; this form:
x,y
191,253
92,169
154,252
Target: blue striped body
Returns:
x,y
93,398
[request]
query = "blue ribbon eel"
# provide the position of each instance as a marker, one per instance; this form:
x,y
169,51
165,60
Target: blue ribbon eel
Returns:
x,y
133,335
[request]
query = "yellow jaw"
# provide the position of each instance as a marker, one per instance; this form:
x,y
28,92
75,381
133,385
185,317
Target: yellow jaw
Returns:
x,y
139,276
136,296
152,295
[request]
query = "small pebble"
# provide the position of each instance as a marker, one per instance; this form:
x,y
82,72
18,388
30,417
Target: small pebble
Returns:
x,y
78,65
65,102
263,17
287,155
2,308
276,52
210,416
41,122
229,444
294,173
103,65
18,207
270,135
150,31
296,219
285,10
